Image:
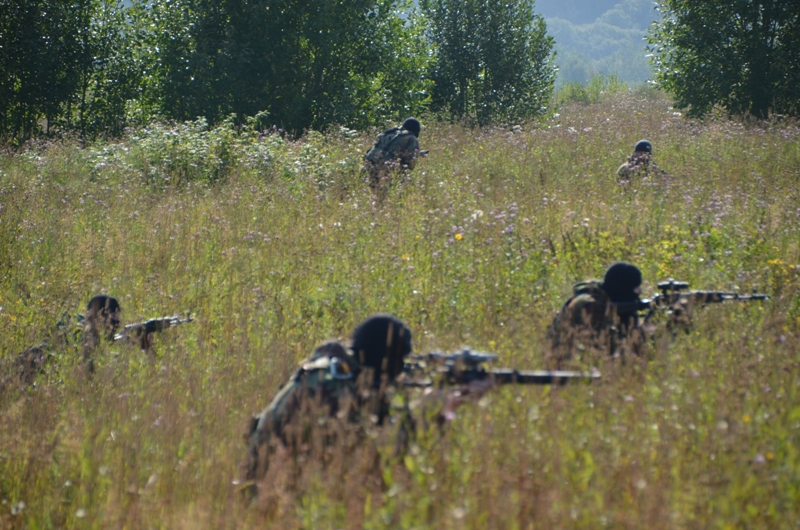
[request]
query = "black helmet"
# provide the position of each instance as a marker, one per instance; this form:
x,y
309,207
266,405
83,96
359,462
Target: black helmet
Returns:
x,y
381,342
621,281
643,145
412,125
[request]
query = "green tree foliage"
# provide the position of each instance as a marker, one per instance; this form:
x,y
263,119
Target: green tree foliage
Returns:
x,y
494,60
744,56
107,78
307,63
62,64
181,54
39,43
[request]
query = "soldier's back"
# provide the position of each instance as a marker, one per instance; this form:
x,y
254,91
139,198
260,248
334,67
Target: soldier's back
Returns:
x,y
582,323
322,389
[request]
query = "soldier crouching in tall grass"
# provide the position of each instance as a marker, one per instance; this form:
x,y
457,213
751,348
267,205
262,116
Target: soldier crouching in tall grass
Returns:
x,y
396,149
331,401
600,318
100,321
640,166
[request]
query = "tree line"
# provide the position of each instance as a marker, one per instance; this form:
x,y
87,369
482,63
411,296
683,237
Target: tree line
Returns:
x,y
97,66
741,56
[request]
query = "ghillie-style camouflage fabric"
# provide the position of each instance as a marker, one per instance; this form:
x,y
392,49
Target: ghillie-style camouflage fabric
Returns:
x,y
28,364
394,144
323,388
588,321
396,148
637,168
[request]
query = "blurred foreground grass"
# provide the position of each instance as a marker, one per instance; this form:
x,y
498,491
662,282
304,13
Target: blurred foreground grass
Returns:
x,y
277,245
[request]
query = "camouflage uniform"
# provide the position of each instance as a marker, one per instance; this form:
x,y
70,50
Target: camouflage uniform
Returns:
x,y
69,331
396,148
332,384
325,385
31,362
639,167
589,320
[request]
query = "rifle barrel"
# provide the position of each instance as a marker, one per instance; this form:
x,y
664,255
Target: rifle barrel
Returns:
x,y
151,326
723,296
506,376
540,377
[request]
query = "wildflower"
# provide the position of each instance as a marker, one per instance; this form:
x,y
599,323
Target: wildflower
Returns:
x,y
459,237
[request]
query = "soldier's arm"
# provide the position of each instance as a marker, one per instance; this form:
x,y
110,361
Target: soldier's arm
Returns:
x,y
624,172
409,151
659,170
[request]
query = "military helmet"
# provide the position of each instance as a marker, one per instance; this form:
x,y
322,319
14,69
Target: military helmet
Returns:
x,y
381,342
621,281
412,125
643,145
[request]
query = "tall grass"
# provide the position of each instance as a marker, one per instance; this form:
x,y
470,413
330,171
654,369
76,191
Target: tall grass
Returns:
x,y
599,87
275,245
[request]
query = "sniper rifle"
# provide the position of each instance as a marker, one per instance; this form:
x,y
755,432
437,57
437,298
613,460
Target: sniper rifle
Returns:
x,y
674,297
466,366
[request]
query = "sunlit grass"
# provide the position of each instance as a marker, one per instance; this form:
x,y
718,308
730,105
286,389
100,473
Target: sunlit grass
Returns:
x,y
276,245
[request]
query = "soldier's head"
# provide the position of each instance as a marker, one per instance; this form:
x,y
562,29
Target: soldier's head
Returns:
x,y
413,126
642,148
102,315
622,282
381,343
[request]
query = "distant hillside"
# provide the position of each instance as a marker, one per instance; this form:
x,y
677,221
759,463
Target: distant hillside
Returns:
x,y
576,11
599,37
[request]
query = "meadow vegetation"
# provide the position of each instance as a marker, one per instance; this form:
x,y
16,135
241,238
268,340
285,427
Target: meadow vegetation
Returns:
x,y
275,245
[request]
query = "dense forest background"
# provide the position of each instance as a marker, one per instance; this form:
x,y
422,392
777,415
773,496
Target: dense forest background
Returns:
x,y
101,67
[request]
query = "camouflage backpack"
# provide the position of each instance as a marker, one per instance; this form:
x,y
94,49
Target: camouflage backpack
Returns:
x,y
380,151
583,293
325,385
588,298
323,378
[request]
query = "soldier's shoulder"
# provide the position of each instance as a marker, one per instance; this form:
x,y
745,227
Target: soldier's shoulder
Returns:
x,y
625,169
405,140
586,293
582,301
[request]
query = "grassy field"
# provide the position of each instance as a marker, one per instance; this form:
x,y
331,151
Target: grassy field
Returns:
x,y
277,245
